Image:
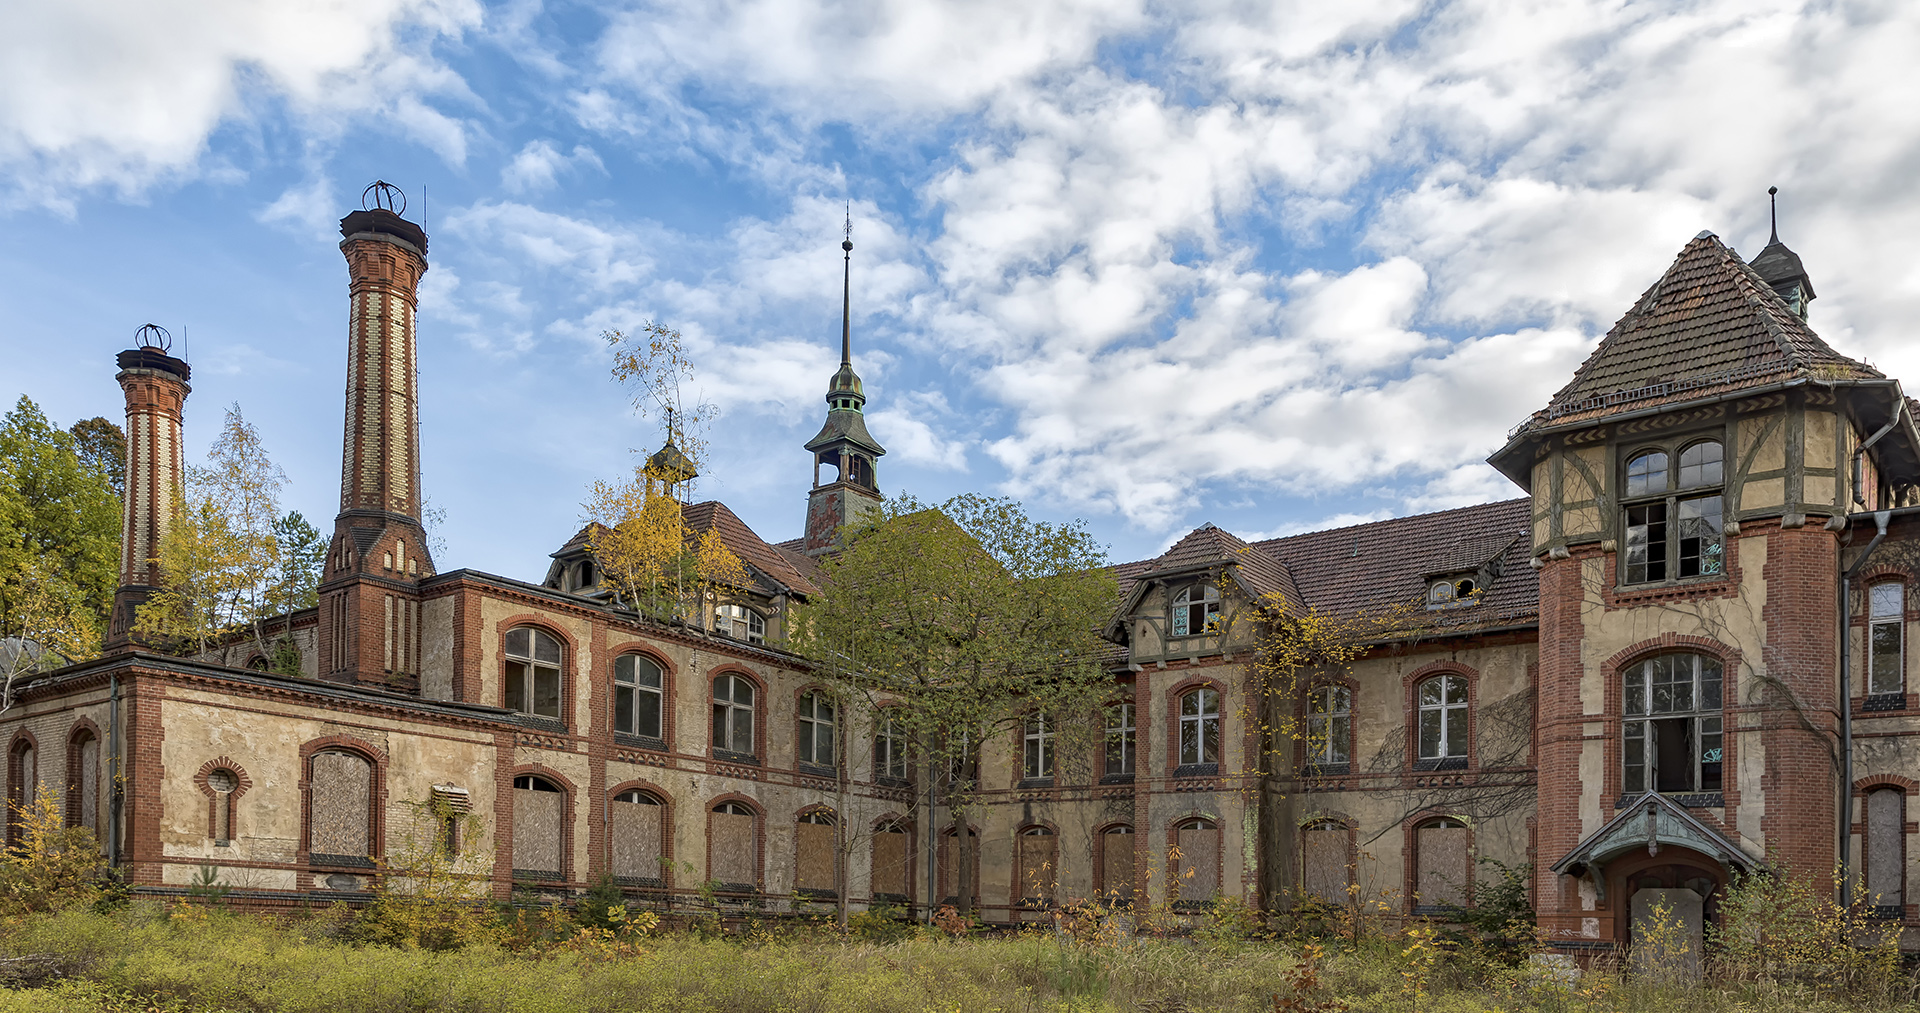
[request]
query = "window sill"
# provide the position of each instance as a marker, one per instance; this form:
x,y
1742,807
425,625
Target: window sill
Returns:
x,y
1035,782
727,756
541,875
1441,763
646,742
1684,799
1887,913
341,861
888,781
545,724
815,770
815,893
1626,594
1126,778
1197,770
1877,702
892,898
643,882
1326,770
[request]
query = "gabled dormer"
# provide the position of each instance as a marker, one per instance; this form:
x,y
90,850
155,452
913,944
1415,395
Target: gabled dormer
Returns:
x,y
1198,599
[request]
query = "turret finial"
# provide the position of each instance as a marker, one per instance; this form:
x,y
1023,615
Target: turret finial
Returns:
x,y
1773,214
846,293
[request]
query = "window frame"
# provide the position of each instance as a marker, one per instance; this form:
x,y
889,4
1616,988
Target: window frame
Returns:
x,y
1705,721
747,808
1180,611
754,620
1196,763
658,797
1122,734
656,740
1338,729
807,728
890,751
1039,761
751,755
1445,709
376,803
1662,506
1106,893
1895,682
1869,861
531,675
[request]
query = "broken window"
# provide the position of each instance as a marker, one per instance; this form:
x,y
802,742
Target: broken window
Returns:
x,y
1196,611
1887,610
1122,738
1672,729
733,715
1674,536
816,730
815,853
533,673
539,814
638,696
740,623
1199,727
1443,720
638,823
1038,762
340,823
1329,725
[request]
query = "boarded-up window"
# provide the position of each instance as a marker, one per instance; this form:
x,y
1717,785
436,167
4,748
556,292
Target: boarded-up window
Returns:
x,y
1445,869
890,862
1116,864
83,781
637,825
342,806
1886,851
1039,865
731,843
538,808
1199,865
1325,870
949,860
814,854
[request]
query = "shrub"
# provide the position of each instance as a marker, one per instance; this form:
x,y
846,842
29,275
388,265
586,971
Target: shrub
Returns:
x,y
54,866
882,923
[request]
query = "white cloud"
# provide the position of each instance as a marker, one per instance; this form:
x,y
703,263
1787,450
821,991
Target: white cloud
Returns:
x,y
539,165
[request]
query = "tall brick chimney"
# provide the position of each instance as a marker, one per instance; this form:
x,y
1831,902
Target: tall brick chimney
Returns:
x,y
369,594
155,384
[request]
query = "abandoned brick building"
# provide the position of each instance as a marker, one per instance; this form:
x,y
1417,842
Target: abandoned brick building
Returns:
x,y
1681,655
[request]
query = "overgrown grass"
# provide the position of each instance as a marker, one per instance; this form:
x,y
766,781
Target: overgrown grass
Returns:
x,y
146,957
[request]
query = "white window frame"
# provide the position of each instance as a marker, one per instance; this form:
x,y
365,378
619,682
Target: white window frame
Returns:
x,y
1447,713
740,623
1330,725
632,683
813,725
889,748
1887,615
1123,736
727,709
1037,757
1201,728
532,668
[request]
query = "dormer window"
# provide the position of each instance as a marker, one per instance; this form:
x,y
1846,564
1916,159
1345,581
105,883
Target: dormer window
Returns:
x,y
1196,611
1452,591
740,623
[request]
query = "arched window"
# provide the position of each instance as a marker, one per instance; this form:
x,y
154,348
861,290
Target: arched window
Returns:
x,y
1672,724
1122,739
224,783
889,748
734,847
539,826
815,740
1196,610
1116,864
1443,722
733,715
1886,623
1199,727
1037,762
639,697
533,673
1886,850
1038,873
740,623
23,767
83,780
638,823
1443,864
815,854
341,811
1673,514
1440,592
1197,869
1326,869
1329,726
891,881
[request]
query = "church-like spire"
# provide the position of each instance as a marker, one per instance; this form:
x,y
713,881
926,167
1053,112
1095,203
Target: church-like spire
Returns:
x,y
843,444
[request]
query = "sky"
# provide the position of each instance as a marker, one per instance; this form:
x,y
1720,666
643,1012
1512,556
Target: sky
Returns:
x,y
1274,265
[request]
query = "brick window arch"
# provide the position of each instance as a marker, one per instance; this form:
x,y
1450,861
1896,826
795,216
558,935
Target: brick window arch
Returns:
x,y
223,782
83,777
638,821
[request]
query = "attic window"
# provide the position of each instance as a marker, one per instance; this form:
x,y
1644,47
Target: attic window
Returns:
x,y
1452,591
1196,611
740,623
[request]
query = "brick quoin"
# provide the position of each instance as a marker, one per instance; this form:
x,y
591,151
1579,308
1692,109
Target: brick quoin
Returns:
x,y
1560,736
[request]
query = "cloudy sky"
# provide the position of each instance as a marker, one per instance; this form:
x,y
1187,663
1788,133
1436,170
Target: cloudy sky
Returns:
x,y
1276,265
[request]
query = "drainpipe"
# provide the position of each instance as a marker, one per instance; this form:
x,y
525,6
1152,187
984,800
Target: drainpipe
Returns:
x,y
1880,518
113,768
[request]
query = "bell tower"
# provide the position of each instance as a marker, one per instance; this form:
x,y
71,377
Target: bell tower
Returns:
x,y
843,443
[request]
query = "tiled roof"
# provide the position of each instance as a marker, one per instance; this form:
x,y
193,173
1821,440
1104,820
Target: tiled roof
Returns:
x,y
747,545
1709,325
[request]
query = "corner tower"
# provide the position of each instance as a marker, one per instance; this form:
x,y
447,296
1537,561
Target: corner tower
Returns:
x,y
843,442
155,384
369,595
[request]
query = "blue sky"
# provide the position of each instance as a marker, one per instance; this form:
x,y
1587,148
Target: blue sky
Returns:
x,y
1273,265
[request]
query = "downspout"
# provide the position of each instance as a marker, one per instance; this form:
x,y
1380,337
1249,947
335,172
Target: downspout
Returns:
x,y
1880,519
113,768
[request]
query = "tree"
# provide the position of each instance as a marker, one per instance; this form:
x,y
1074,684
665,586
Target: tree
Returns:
x,y
971,617
220,558
102,445
303,552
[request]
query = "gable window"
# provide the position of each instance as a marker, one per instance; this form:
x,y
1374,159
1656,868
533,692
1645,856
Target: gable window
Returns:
x,y
637,823
733,715
533,673
889,749
1038,763
816,730
1329,726
740,623
1199,727
638,696
1886,619
1443,721
1196,611
1673,520
1122,737
1672,729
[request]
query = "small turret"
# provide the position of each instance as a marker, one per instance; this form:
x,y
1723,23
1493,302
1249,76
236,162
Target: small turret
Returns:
x,y
1780,267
